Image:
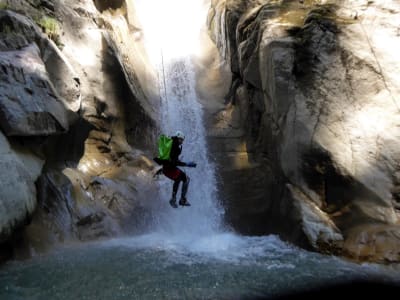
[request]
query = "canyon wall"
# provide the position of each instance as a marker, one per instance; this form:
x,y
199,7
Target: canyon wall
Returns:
x,y
78,119
307,143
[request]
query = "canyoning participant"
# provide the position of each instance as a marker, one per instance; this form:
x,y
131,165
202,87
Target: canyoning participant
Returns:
x,y
170,162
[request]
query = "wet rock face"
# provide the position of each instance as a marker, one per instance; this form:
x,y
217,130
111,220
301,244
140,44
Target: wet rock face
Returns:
x,y
311,123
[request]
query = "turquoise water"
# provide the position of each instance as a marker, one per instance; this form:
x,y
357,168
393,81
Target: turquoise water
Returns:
x,y
223,266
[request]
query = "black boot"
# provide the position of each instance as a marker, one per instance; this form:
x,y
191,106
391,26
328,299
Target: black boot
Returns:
x,y
183,202
172,202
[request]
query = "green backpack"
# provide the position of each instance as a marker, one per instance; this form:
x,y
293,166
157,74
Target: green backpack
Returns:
x,y
164,147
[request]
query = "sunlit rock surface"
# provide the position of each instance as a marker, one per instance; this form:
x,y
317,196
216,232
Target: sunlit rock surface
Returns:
x,y
97,93
29,103
316,95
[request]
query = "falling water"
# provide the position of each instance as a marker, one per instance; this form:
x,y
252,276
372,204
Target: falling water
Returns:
x,y
181,111
170,46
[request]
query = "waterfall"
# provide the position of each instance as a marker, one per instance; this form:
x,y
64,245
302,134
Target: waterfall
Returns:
x,y
170,41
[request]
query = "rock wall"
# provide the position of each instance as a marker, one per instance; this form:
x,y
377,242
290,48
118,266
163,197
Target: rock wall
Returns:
x,y
78,119
307,142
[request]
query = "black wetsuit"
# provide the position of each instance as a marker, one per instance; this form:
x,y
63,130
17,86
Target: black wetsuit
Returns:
x,y
171,170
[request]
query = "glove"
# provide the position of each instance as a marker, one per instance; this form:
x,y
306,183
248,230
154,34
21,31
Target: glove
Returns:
x,y
191,164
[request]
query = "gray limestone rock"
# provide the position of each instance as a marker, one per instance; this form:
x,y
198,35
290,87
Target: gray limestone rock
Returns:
x,y
328,126
17,188
29,104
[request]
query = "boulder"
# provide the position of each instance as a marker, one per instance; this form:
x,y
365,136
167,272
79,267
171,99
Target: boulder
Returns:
x,y
17,187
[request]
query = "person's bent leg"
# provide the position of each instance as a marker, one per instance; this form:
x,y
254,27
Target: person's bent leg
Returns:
x,y
173,174
175,187
185,186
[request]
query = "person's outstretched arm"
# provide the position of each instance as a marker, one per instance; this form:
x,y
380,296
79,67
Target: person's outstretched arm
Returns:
x,y
191,164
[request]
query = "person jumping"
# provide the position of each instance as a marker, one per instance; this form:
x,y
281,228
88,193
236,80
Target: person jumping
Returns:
x,y
170,169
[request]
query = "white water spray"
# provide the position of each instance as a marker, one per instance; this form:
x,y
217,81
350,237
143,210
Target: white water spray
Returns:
x,y
170,40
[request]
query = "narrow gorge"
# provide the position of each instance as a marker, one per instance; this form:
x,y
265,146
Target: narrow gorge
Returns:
x,y
300,102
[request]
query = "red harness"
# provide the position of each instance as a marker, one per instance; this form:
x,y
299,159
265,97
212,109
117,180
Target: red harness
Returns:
x,y
172,172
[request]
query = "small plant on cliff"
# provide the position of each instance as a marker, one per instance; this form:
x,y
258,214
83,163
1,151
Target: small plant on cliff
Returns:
x,y
3,5
51,27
